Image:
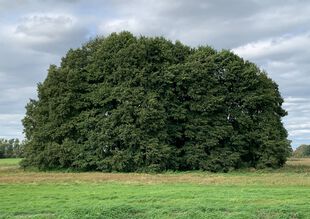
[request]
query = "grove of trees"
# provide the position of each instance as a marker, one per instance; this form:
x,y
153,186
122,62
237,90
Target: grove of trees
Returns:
x,y
11,148
302,151
126,103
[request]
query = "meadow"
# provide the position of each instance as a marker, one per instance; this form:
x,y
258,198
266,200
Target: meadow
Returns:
x,y
250,193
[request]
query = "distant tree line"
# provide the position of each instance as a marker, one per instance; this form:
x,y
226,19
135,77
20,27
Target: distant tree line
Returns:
x,y
302,151
126,103
11,148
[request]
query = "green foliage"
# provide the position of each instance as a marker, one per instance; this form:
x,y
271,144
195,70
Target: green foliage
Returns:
x,y
124,103
302,151
11,148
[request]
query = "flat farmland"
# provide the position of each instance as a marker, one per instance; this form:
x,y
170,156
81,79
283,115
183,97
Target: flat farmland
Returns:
x,y
250,193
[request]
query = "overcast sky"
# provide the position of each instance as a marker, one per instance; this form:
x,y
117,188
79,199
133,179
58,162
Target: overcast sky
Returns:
x,y
273,34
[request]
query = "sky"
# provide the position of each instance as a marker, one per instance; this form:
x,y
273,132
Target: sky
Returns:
x,y
273,34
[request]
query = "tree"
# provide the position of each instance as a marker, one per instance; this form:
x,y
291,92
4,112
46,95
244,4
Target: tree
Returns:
x,y
302,151
10,148
130,104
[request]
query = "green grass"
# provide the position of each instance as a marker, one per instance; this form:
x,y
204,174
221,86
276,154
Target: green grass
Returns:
x,y
9,161
283,193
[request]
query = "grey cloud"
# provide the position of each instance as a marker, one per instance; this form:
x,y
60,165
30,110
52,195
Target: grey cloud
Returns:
x,y
10,125
298,121
285,59
42,25
26,5
28,47
219,23
51,33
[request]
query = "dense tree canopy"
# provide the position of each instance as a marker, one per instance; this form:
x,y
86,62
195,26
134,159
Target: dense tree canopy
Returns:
x,y
126,103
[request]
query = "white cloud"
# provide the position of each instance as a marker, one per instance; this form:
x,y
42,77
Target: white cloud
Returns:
x,y
49,33
299,132
46,26
117,25
303,126
274,46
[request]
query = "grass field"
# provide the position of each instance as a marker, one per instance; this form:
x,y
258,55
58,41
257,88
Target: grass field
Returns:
x,y
283,193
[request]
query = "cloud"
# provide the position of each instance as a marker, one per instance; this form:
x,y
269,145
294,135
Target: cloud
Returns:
x,y
49,33
285,59
15,94
45,26
20,6
10,125
216,22
283,46
298,121
28,46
